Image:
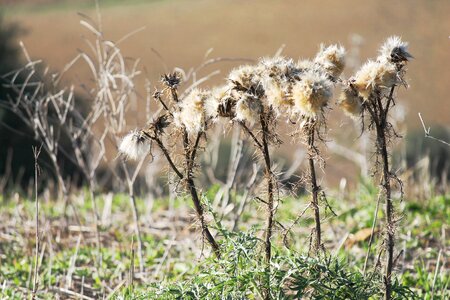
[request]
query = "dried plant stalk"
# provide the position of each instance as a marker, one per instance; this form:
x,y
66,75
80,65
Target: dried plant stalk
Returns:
x,y
314,187
371,91
36,153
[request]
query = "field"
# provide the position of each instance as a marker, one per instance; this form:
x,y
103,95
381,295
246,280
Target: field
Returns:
x,y
174,253
182,31
143,187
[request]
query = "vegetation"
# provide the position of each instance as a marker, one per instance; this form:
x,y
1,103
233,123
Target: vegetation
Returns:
x,y
86,243
178,271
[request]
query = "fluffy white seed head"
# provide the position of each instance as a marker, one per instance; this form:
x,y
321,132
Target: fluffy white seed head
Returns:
x,y
311,94
134,145
191,113
350,103
245,77
248,109
375,75
306,65
212,102
277,94
332,59
394,50
278,67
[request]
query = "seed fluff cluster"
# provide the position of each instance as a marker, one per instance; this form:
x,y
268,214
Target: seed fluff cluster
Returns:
x,y
376,77
276,85
134,145
191,112
280,85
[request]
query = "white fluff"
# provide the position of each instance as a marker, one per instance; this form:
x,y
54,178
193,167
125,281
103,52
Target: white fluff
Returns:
x,y
277,94
134,146
332,59
191,112
394,48
248,109
375,74
311,94
213,101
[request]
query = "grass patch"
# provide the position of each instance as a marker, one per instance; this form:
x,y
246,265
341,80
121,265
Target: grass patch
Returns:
x,y
178,267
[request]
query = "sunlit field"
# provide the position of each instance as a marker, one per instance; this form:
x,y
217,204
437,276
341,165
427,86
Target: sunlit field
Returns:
x,y
224,150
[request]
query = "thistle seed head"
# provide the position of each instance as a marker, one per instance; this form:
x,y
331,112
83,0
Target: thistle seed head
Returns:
x,y
332,59
350,102
375,75
134,145
394,50
214,101
171,80
278,67
191,113
248,109
277,94
311,94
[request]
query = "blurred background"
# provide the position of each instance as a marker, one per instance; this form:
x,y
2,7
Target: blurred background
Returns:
x,y
178,33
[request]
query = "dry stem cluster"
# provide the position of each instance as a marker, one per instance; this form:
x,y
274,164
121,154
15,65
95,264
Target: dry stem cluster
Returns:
x,y
255,99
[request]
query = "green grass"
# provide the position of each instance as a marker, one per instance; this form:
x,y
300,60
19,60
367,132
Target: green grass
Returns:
x,y
177,267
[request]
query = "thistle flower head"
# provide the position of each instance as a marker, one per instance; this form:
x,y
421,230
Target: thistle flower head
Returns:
x,y
394,50
278,67
306,65
349,102
191,113
375,75
171,80
332,59
311,94
248,109
213,103
246,78
277,94
134,145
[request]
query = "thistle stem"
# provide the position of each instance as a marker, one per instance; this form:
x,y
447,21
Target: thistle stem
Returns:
x,y
270,208
314,187
190,158
263,146
379,115
389,212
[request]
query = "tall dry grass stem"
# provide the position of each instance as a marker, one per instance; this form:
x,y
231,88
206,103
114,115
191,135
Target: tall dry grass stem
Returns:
x,y
36,153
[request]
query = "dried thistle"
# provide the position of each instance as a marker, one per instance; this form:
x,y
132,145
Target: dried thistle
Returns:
x,y
171,80
331,59
375,83
311,94
135,145
350,102
191,112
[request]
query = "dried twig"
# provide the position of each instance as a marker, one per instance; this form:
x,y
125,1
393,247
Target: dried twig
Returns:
x,y
374,222
427,132
36,153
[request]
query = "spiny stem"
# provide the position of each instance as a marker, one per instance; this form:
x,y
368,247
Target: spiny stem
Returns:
x,y
389,212
379,115
270,208
168,157
314,186
190,158
263,146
